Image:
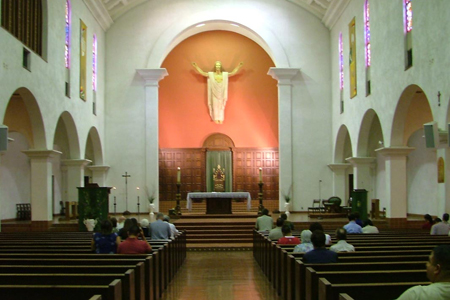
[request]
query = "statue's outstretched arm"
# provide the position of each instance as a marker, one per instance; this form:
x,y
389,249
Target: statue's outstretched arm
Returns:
x,y
236,69
199,70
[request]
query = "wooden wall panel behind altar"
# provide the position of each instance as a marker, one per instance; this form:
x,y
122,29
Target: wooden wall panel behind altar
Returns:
x,y
192,161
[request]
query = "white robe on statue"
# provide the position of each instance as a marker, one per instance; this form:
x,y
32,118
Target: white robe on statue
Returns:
x,y
217,96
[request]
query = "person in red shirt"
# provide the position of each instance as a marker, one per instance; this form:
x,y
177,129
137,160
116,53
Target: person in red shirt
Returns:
x,y
132,245
428,222
288,238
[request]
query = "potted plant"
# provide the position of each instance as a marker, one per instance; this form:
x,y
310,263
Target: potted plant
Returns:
x,y
151,205
287,200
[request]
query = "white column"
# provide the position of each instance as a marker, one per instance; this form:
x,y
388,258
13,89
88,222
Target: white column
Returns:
x,y
396,181
75,176
284,77
340,180
151,78
41,184
99,174
1,154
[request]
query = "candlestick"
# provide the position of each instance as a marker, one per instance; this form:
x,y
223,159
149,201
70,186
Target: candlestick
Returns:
x,y
179,175
260,174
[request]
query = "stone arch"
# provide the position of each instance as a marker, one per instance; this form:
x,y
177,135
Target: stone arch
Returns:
x,y
412,111
67,130
370,135
94,149
343,145
186,27
24,115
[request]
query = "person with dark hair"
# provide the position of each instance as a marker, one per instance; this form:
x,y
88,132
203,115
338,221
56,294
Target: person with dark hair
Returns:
x,y
288,238
133,245
306,244
357,219
368,227
428,222
438,272
265,222
320,254
441,228
123,232
285,217
352,227
276,233
114,225
317,226
342,245
105,241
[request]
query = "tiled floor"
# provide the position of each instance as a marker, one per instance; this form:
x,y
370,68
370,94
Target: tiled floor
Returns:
x,y
220,275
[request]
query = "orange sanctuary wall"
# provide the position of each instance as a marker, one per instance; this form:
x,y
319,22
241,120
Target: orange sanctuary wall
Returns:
x,y
251,113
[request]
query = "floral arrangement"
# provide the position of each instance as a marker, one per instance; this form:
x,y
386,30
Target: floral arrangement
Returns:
x,y
150,198
287,197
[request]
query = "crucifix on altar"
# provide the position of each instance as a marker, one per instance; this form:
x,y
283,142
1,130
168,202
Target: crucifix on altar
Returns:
x,y
126,175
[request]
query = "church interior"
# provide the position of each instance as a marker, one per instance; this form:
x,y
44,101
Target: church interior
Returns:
x,y
332,96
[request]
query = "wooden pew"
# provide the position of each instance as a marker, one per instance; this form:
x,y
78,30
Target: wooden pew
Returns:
x,y
366,291
312,278
65,279
113,291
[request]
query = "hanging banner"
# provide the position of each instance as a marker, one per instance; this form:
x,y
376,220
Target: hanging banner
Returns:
x,y
83,43
352,58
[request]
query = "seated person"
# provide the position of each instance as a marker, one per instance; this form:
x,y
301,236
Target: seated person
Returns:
x,y
428,222
133,245
306,244
173,229
114,225
352,227
317,226
441,227
438,272
265,222
123,232
320,254
276,233
144,226
160,230
288,238
357,219
105,241
342,245
285,217
369,228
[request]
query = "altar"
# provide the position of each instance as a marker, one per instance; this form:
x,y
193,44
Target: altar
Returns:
x,y
218,203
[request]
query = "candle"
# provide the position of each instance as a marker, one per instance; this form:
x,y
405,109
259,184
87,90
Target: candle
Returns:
x,y
260,174
179,175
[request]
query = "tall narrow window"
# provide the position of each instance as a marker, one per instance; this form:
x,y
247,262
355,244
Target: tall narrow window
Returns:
x,y
341,72
94,73
408,19
367,44
67,48
23,19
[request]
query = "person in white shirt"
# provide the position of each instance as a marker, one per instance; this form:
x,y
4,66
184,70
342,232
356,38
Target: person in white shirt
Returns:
x,y
441,228
369,228
438,271
173,229
342,245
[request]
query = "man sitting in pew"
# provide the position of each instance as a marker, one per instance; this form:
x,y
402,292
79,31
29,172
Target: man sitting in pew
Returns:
x,y
441,228
369,228
438,271
160,230
320,254
264,222
352,227
132,245
288,238
342,245
276,234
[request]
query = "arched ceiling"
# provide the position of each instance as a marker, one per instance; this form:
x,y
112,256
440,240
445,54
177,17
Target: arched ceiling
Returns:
x,y
107,11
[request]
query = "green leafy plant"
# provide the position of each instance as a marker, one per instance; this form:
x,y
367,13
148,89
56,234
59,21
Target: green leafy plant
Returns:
x,y
150,198
287,197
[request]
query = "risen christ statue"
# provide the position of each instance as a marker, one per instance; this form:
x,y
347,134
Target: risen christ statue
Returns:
x,y
217,89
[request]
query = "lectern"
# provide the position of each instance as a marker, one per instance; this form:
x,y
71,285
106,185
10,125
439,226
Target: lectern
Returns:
x,y
93,203
359,203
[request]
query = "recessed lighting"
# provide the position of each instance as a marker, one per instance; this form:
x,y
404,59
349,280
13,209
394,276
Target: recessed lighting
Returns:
x,y
235,25
200,25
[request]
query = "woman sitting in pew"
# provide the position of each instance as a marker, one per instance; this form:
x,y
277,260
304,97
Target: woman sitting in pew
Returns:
x,y
306,244
317,226
105,241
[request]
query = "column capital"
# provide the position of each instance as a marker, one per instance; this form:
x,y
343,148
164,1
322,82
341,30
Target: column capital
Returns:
x,y
75,162
395,151
355,161
41,154
96,168
152,76
283,75
338,167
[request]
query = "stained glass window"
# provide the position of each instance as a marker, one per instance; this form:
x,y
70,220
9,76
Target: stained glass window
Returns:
x,y
94,63
67,44
408,15
367,32
341,62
